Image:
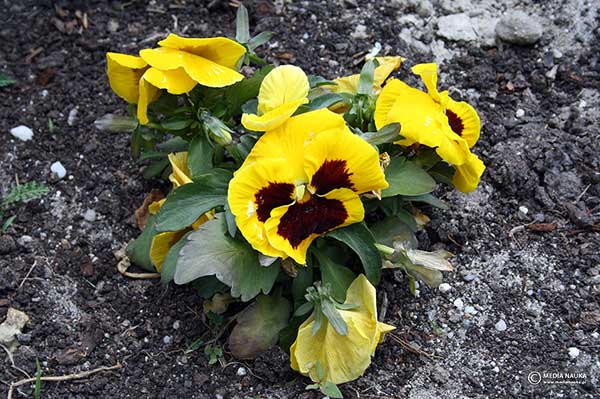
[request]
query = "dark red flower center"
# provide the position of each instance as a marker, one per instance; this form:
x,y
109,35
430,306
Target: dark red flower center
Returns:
x,y
317,215
271,197
331,175
456,124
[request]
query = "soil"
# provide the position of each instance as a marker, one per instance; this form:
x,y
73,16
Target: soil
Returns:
x,y
542,167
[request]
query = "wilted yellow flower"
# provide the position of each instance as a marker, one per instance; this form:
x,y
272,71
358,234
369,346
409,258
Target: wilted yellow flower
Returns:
x,y
435,120
349,84
162,242
342,358
178,65
302,180
282,91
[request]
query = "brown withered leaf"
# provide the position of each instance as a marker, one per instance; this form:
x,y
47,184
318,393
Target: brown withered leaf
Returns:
x,y
542,227
45,76
286,55
141,214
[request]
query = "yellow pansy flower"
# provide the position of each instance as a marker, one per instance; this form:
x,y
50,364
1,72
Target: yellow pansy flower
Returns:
x,y
162,242
282,91
177,66
303,179
435,120
342,358
349,84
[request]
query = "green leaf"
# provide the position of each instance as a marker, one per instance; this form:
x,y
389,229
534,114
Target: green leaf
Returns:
x,y
432,278
7,223
391,229
358,237
176,144
25,192
337,276
386,134
6,80
320,372
334,317
176,123
406,178
168,267
200,156
230,219
412,286
442,172
187,203
304,309
365,82
301,282
317,81
258,326
242,25
213,352
259,40
428,199
311,387
208,286
210,251
155,169
38,380
322,101
331,390
139,250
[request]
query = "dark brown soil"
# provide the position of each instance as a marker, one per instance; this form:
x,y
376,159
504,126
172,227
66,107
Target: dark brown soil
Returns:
x,y
544,285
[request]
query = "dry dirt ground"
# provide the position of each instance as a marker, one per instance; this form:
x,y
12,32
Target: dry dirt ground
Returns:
x,y
520,301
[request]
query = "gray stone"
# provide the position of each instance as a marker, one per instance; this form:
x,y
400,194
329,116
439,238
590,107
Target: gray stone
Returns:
x,y
517,27
501,326
484,28
90,215
456,27
14,323
360,32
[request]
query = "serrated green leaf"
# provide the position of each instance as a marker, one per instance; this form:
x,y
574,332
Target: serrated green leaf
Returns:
x,y
187,203
138,251
406,178
210,251
258,327
25,192
6,80
358,237
200,156
337,276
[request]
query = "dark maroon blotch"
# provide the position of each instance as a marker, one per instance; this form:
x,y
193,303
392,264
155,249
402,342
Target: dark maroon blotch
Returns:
x,y
271,197
331,175
456,124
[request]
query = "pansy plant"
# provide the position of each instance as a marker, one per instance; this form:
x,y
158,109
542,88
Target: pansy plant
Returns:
x,y
290,194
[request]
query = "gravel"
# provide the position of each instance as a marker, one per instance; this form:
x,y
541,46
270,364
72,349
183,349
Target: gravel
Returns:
x,y
517,27
22,133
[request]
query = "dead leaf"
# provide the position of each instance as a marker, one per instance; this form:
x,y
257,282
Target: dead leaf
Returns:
x,y
542,227
141,214
286,55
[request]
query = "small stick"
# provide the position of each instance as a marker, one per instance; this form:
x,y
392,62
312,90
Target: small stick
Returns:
x,y
411,348
68,377
28,273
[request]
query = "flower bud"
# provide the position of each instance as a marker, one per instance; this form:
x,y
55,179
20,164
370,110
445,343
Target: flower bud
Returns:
x,y
219,132
116,123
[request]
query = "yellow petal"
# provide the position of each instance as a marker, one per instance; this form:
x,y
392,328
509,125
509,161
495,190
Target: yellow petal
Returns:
x,y
422,120
253,193
124,73
181,172
467,176
161,244
292,228
273,118
290,139
148,93
428,72
338,158
453,148
221,50
154,207
282,85
175,81
387,65
342,358
201,70
346,84
463,120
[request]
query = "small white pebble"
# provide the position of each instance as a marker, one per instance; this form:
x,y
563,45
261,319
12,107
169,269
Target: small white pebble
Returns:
x,y
595,335
44,93
22,133
470,310
241,372
72,116
501,326
176,325
573,352
520,113
458,303
523,210
496,369
90,215
168,340
444,287
58,169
